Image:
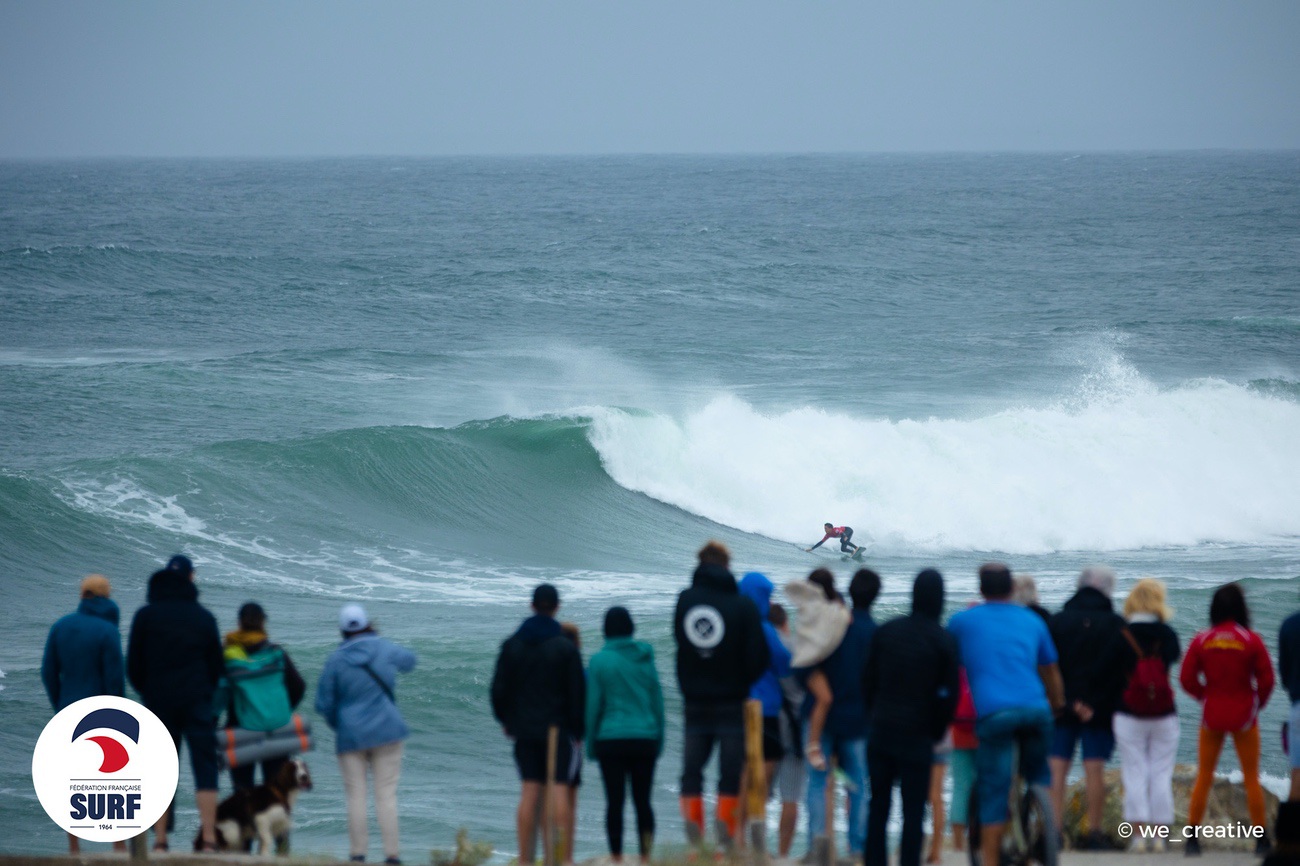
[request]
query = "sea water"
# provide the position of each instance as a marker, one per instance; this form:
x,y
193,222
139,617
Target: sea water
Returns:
x,y
429,385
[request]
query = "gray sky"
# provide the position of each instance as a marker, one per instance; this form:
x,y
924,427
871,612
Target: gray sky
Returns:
x,y
208,78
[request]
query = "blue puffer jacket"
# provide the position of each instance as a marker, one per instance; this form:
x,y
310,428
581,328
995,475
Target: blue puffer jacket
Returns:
x,y
83,654
350,699
758,589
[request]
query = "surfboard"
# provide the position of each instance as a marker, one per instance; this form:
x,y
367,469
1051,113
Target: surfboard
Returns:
x,y
857,554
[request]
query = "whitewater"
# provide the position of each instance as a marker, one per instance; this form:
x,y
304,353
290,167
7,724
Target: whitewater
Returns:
x,y
1128,466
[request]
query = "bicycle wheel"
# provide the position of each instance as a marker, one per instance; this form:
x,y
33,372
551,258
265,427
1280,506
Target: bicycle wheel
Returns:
x,y
973,829
1038,826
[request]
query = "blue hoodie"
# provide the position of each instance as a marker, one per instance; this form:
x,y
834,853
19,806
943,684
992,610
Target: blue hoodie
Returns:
x,y
83,654
758,589
351,700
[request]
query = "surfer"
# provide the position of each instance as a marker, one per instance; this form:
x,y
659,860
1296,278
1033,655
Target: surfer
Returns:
x,y
843,533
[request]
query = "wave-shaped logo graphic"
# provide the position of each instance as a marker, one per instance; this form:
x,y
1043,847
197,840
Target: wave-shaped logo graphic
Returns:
x,y
115,754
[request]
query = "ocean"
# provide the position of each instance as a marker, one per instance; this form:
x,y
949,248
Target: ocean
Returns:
x,y
429,384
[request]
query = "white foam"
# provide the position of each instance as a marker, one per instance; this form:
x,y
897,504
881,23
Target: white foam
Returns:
x,y
1116,464
123,499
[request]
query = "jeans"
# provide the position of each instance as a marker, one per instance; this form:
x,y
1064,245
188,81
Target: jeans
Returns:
x,y
993,759
707,724
852,758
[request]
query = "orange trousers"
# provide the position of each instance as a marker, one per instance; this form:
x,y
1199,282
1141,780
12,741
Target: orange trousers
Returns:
x,y
1207,758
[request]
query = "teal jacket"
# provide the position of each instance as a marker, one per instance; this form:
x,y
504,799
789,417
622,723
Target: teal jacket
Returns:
x,y
624,700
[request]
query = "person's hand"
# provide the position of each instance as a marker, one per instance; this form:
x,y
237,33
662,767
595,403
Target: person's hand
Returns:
x,y
1083,711
807,550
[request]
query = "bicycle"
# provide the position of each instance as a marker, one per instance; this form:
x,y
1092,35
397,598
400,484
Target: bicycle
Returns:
x,y
1030,835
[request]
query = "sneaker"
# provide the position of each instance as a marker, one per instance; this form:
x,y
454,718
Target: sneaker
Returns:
x,y
1159,845
1193,847
358,858
393,861
1137,845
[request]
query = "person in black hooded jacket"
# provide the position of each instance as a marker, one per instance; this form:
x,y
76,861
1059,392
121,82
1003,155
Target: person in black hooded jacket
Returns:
x,y
538,684
721,652
173,659
911,685
1089,637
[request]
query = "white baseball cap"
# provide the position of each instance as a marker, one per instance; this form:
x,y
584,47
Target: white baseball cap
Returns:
x,y
353,618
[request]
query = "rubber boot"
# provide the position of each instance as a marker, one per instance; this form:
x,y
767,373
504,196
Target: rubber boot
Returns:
x,y
728,821
693,816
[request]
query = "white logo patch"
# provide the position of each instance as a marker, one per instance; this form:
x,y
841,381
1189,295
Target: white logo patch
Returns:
x,y
704,628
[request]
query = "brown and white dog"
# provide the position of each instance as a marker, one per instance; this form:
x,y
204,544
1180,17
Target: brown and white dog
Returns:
x,y
262,813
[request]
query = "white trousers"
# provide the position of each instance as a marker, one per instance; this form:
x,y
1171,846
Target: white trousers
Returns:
x,y
1147,748
385,765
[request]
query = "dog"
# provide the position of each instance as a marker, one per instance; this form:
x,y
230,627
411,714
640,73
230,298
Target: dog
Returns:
x,y
263,813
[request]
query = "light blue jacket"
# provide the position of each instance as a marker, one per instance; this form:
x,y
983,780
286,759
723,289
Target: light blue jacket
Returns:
x,y
351,700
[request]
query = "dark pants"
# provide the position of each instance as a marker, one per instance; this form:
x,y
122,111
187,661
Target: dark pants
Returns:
x,y
198,727
847,546
705,724
621,762
911,770
242,777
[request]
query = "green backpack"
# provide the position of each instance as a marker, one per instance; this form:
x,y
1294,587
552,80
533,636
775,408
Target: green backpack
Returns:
x,y
258,695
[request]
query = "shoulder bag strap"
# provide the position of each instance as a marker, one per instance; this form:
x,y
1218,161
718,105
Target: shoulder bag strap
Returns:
x,y
382,685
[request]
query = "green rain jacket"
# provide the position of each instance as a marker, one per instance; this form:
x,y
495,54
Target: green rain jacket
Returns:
x,y
624,700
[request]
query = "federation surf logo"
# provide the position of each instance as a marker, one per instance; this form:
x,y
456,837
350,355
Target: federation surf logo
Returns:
x,y
105,769
116,756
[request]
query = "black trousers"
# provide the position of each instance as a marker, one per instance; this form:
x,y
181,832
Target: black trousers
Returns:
x,y
723,723
912,773
846,544
623,762
242,777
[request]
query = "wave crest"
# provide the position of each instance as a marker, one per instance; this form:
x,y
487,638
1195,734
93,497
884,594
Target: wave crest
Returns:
x,y
1120,465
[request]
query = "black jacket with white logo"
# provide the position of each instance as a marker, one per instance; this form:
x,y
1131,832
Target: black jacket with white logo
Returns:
x,y
721,650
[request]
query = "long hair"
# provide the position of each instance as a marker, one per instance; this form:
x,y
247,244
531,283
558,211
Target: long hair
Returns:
x,y
823,578
1229,604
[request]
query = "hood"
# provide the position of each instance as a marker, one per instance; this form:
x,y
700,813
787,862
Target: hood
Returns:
x,y
171,586
927,595
1088,598
248,640
98,606
629,648
538,628
361,649
758,589
710,576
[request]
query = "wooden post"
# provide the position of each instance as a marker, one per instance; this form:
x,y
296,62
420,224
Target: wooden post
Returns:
x,y
828,851
756,775
549,840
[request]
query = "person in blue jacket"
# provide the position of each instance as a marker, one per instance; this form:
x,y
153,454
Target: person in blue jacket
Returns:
x,y
767,690
356,696
83,657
